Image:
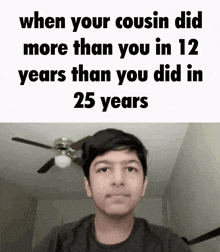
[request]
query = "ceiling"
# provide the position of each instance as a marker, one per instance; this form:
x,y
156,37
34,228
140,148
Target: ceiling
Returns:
x,y
19,162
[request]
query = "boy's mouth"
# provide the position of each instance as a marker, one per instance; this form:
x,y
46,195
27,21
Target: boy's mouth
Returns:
x,y
118,195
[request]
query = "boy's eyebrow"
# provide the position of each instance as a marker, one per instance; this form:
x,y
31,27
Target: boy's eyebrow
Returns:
x,y
102,162
130,161
112,162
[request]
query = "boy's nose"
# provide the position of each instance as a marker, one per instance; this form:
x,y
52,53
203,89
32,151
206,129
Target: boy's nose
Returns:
x,y
118,178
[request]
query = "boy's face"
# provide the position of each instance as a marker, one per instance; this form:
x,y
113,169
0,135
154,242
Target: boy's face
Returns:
x,y
117,182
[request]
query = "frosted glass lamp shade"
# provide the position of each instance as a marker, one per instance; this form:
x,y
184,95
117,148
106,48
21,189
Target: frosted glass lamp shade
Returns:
x,y
62,161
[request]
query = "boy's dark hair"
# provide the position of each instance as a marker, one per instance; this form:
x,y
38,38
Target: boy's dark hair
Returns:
x,y
111,139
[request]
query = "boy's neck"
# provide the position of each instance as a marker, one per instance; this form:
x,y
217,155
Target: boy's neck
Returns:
x,y
113,229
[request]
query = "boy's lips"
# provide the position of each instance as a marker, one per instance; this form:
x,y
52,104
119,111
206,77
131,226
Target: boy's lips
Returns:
x,y
118,195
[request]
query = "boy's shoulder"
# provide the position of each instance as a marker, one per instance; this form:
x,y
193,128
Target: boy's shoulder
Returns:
x,y
76,226
85,223
77,234
66,233
159,233
169,240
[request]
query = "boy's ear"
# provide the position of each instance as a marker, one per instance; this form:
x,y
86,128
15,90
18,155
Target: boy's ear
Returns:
x,y
144,186
87,188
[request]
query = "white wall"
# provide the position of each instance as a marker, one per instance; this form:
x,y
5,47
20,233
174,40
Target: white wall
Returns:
x,y
193,192
54,213
150,209
17,218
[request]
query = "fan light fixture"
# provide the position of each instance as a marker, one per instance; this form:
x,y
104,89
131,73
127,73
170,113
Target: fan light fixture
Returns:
x,y
65,146
62,161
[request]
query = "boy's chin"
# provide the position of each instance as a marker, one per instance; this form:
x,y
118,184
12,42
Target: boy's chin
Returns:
x,y
119,213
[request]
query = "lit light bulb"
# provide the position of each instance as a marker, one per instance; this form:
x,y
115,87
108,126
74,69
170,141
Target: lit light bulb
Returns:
x,y
62,161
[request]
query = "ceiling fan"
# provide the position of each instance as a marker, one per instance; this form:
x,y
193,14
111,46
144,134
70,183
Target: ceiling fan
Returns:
x,y
65,146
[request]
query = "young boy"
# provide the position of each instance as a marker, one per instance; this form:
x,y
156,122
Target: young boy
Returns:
x,y
115,168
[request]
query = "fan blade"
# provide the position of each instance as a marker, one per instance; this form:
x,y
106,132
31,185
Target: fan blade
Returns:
x,y
21,140
78,161
47,166
77,145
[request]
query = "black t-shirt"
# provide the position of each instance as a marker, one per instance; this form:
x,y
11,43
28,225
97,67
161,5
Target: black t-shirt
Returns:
x,y
80,236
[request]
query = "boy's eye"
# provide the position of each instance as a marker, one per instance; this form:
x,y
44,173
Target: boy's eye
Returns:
x,y
131,169
103,169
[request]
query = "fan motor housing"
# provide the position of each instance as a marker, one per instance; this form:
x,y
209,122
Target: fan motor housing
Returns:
x,y
63,144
